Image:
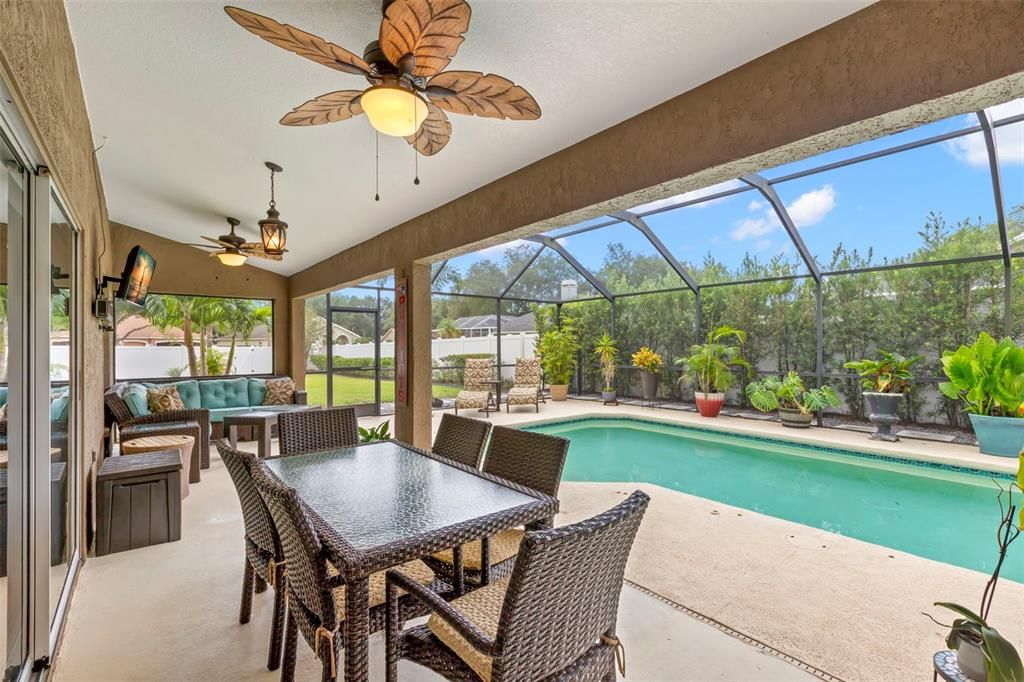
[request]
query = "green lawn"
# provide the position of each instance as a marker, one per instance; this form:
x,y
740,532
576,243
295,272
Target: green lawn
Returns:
x,y
359,390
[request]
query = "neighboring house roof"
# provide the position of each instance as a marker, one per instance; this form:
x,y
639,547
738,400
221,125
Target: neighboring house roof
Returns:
x,y
509,323
135,328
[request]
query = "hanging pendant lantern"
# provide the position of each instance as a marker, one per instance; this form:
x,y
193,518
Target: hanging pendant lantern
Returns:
x,y
273,230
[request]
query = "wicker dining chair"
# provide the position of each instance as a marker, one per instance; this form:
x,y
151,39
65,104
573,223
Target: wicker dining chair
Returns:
x,y
316,590
264,559
475,393
461,439
532,459
525,385
553,619
313,430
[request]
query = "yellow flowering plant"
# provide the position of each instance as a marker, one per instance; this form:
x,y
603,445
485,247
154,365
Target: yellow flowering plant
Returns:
x,y
648,360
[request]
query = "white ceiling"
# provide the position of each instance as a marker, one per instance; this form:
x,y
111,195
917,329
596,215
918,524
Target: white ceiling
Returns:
x,y
186,103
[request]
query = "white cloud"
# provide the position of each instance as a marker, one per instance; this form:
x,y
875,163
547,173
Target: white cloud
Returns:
x,y
971,149
810,208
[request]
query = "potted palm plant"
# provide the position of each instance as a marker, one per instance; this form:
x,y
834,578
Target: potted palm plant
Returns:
x,y
886,381
557,349
649,363
607,352
795,403
988,376
710,366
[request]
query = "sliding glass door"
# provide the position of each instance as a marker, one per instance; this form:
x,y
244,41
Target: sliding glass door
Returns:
x,y
353,373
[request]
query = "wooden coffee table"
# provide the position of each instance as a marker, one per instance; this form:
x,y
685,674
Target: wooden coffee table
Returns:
x,y
262,421
183,444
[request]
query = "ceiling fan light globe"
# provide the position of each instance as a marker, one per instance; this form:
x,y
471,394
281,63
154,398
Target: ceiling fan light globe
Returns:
x,y
394,110
232,259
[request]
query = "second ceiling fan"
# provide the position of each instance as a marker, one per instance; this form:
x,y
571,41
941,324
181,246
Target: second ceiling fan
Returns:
x,y
409,90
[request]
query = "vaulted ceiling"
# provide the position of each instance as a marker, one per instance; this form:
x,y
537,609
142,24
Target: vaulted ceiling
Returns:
x,y
185,104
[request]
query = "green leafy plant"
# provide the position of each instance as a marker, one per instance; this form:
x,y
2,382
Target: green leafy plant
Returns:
x,y
890,373
557,349
988,376
607,352
647,360
789,392
710,364
381,431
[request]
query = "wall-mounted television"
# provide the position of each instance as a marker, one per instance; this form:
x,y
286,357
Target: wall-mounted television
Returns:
x,y
136,277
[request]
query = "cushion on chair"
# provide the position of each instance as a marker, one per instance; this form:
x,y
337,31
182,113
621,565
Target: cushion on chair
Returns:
x,y
483,608
188,391
280,392
522,395
221,393
257,391
134,396
527,372
3,395
504,546
416,569
164,399
472,398
58,409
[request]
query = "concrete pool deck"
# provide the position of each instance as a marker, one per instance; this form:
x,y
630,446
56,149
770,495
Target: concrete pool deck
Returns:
x,y
850,609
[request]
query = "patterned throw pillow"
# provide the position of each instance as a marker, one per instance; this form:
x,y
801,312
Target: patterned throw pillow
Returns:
x,y
279,392
3,413
164,399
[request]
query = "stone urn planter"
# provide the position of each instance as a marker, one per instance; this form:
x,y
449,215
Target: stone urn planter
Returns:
x,y
709,404
1000,436
559,392
650,382
795,419
883,411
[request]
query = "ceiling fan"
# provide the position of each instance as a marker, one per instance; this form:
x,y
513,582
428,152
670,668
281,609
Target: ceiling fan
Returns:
x,y
409,90
232,249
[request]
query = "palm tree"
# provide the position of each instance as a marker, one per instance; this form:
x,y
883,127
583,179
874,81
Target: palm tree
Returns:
x,y
165,311
239,319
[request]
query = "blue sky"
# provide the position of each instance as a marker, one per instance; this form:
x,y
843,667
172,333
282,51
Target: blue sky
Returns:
x,y
880,203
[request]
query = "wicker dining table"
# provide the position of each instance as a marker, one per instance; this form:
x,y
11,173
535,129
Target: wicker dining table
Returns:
x,y
381,504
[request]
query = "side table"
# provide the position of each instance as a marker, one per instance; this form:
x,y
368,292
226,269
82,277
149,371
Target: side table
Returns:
x,y
138,501
181,444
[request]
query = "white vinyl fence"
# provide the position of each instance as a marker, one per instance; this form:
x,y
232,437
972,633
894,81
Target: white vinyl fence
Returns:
x,y
154,362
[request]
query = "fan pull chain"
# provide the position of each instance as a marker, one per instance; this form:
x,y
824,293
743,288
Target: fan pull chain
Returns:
x,y
416,166
376,196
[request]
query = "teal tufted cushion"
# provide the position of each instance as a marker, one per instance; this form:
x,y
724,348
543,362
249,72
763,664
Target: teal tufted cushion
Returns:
x,y
189,392
59,409
135,397
220,393
3,396
257,391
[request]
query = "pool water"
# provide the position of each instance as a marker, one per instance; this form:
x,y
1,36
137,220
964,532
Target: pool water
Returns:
x,y
932,512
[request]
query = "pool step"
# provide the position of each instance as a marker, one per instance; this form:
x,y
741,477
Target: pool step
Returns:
x,y
927,435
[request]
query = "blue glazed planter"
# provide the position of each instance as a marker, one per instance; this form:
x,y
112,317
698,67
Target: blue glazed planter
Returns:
x,y
1002,436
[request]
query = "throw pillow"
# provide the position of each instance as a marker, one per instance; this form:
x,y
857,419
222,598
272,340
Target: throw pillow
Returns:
x,y
164,399
279,392
3,413
135,398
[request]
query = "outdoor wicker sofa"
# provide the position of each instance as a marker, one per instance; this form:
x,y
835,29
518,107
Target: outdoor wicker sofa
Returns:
x,y
316,590
553,619
461,439
264,558
533,460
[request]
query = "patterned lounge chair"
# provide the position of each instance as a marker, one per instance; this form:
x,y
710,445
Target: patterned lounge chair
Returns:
x,y
526,385
475,393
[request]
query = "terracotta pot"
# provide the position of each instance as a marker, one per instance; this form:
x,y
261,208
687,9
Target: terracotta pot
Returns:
x,y
559,392
709,404
795,419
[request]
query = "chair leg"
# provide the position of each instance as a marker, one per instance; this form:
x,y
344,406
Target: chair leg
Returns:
x,y
277,624
325,659
291,635
247,583
391,627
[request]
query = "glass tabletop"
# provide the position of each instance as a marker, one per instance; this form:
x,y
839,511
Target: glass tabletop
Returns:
x,y
376,494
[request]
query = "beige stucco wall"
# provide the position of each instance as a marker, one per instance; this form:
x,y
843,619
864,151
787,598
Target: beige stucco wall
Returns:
x,y
184,269
37,61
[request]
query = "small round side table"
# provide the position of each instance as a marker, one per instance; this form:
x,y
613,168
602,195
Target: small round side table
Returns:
x,y
183,444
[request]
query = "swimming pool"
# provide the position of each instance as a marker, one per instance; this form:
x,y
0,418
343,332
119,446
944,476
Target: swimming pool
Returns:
x,y
935,512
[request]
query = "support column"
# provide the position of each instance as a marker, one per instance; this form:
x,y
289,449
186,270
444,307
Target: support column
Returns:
x,y
412,419
296,368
